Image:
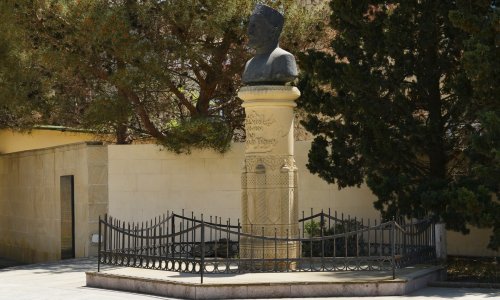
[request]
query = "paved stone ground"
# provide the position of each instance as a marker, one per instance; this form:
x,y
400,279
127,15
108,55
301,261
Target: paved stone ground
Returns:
x,y
66,280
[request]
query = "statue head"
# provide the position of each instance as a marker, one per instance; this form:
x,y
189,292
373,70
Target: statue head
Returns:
x,y
264,28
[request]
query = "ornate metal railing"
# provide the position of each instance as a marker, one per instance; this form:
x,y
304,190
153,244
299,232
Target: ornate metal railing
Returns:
x,y
325,242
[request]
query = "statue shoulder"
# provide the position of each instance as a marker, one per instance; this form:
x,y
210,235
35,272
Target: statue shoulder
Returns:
x,y
286,57
276,67
279,53
285,61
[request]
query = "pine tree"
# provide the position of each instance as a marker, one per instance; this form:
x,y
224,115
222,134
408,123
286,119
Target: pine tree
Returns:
x,y
20,87
162,69
481,19
393,104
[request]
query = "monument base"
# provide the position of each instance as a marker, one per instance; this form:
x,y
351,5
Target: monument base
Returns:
x,y
269,199
266,285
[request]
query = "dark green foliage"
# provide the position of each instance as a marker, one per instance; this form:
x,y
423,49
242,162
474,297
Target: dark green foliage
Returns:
x,y
481,19
334,246
21,91
222,248
473,269
135,68
407,103
198,133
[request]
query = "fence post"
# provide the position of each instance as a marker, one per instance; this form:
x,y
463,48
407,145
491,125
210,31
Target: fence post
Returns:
x,y
440,241
239,246
105,238
393,247
202,263
287,254
99,247
172,242
322,227
123,243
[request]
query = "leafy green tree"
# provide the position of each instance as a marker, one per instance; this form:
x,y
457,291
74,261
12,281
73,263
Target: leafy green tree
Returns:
x,y
162,69
20,89
395,104
481,19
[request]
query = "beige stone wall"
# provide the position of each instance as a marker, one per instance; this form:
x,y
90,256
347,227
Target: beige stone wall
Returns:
x,y
473,244
142,182
30,213
145,182
14,141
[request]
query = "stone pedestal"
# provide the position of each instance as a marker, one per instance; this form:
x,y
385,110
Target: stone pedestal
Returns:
x,y
269,179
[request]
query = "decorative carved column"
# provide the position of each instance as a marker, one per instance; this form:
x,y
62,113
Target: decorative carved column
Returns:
x,y
269,179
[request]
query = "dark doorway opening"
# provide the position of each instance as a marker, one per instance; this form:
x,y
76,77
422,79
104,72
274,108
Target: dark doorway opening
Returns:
x,y
67,217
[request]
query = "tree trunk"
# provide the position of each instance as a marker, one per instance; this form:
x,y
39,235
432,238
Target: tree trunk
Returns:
x,y
121,135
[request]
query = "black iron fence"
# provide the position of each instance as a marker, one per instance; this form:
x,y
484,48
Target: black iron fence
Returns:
x,y
325,242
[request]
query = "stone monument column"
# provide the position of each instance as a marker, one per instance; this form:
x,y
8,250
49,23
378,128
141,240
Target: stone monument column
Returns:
x,y
269,204
269,178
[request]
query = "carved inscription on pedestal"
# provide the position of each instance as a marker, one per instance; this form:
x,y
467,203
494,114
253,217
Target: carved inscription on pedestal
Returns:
x,y
257,128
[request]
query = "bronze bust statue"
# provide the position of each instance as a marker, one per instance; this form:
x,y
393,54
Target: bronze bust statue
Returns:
x,y
271,64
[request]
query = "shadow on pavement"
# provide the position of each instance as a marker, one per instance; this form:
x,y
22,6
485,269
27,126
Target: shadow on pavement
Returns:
x,y
59,267
445,293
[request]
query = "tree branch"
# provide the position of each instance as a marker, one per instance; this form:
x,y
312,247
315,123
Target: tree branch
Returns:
x,y
173,88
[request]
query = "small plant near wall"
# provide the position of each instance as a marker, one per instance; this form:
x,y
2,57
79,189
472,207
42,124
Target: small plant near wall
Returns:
x,y
312,228
335,246
473,269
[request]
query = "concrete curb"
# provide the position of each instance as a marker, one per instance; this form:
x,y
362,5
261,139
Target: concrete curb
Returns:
x,y
178,289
